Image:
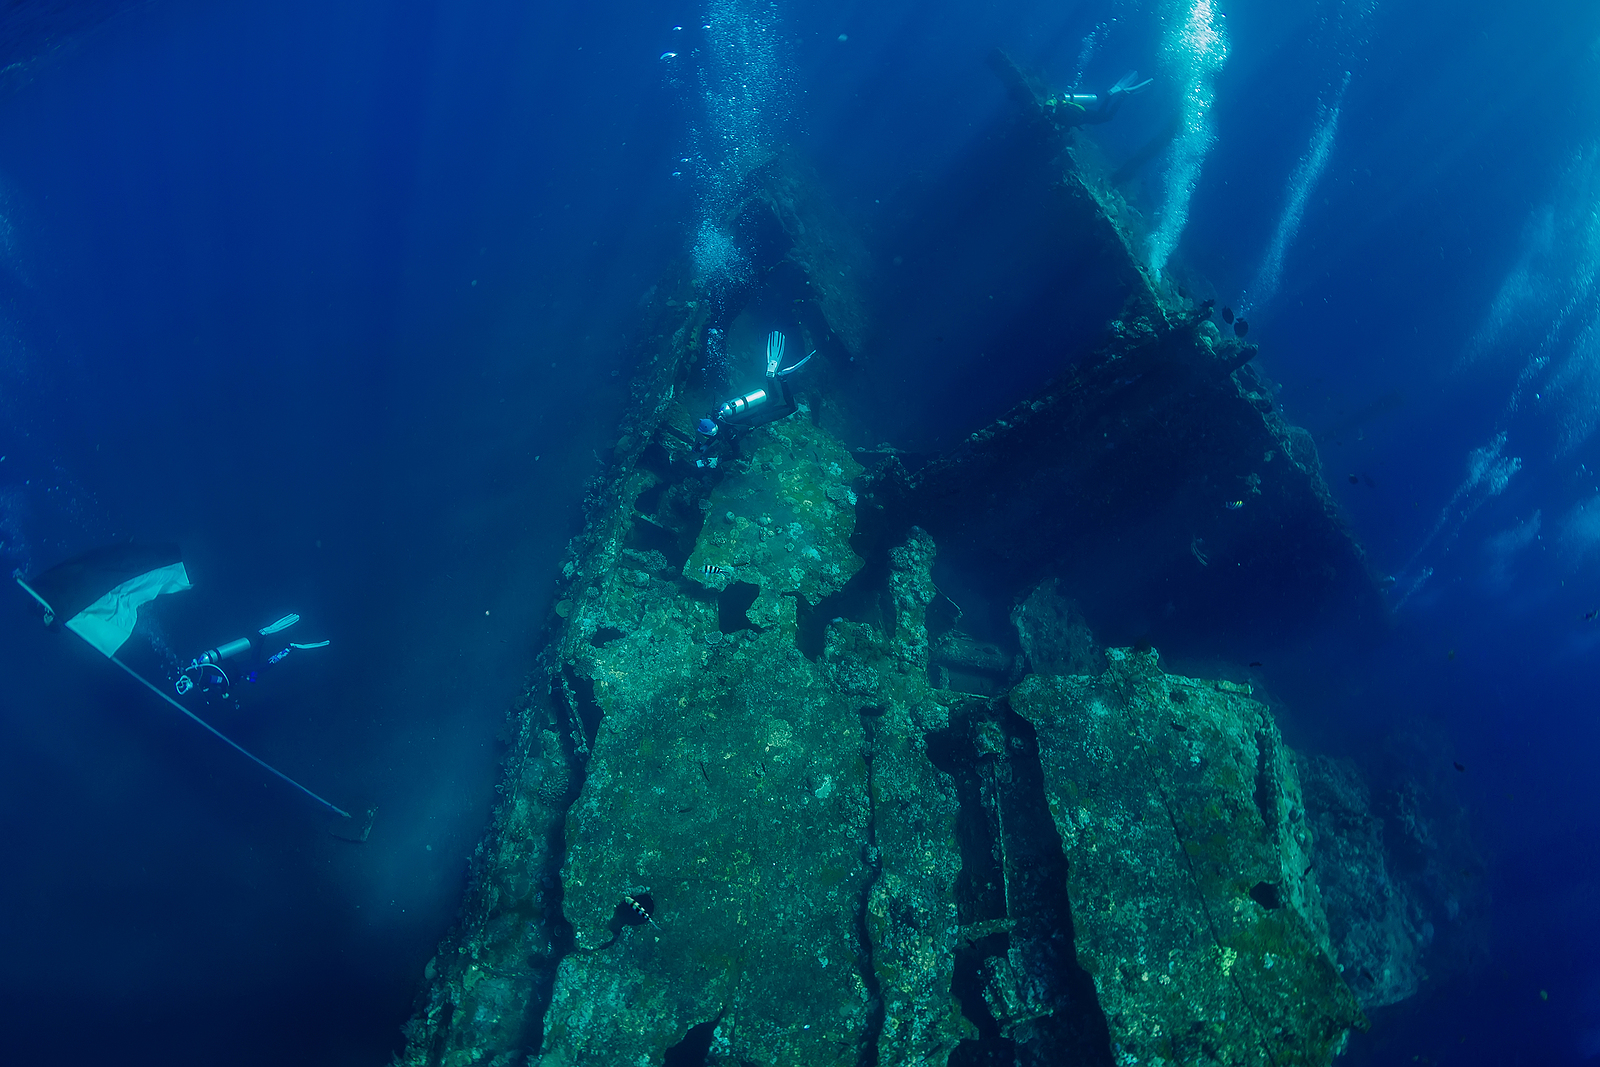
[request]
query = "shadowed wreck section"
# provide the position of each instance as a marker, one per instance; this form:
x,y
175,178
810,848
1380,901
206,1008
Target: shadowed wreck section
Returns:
x,y
770,801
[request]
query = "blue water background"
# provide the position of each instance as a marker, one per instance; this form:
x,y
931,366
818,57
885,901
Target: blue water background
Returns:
x,y
336,294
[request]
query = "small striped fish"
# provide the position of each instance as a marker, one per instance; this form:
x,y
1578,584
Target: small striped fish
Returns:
x,y
639,910
711,570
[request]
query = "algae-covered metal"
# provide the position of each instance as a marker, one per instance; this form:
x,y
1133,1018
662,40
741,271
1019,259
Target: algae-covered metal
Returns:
x,y
1190,874
789,844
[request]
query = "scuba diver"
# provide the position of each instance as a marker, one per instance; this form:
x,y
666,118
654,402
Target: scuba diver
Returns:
x,y
1089,109
252,655
740,415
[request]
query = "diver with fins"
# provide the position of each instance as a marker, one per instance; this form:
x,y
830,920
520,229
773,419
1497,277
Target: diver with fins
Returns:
x,y
1090,109
252,655
741,414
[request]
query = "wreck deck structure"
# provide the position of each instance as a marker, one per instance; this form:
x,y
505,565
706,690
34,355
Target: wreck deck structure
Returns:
x,y
774,798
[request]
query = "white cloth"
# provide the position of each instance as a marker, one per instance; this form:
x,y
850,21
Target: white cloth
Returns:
x,y
107,622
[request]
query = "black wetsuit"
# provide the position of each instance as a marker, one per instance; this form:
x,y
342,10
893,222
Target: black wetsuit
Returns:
x,y
242,669
779,403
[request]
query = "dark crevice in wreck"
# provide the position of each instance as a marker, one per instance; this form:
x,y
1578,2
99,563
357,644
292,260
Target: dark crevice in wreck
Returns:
x,y
604,636
667,515
695,1048
648,501
967,987
975,653
863,599
873,862
1075,1029
980,885
624,915
979,897
1265,793
1011,900
586,707
543,968
957,661
563,768
439,1044
732,604
649,535
1268,894
655,459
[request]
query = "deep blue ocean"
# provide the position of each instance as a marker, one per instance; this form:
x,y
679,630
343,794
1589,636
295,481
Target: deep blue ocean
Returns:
x,y
337,296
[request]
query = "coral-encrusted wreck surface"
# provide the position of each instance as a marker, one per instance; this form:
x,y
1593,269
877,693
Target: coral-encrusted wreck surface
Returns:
x,y
1189,863
768,803
787,841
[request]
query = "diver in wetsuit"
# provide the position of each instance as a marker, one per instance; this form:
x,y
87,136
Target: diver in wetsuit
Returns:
x,y
251,656
1090,109
740,415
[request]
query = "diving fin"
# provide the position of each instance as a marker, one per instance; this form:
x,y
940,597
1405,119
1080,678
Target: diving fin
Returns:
x,y
774,353
1129,83
785,372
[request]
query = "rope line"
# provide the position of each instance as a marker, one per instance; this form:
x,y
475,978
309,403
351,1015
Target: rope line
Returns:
x,y
238,747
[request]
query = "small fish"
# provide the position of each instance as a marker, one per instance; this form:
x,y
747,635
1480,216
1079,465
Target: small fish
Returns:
x,y
711,570
639,910
1255,663
1240,327
1458,766
1355,479
1590,616
1227,315
1233,505
669,55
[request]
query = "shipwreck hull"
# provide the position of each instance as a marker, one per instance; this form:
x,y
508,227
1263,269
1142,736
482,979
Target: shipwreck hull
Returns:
x,y
769,801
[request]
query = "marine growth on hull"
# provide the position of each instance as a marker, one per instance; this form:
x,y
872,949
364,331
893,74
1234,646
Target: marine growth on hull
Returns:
x,y
826,762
